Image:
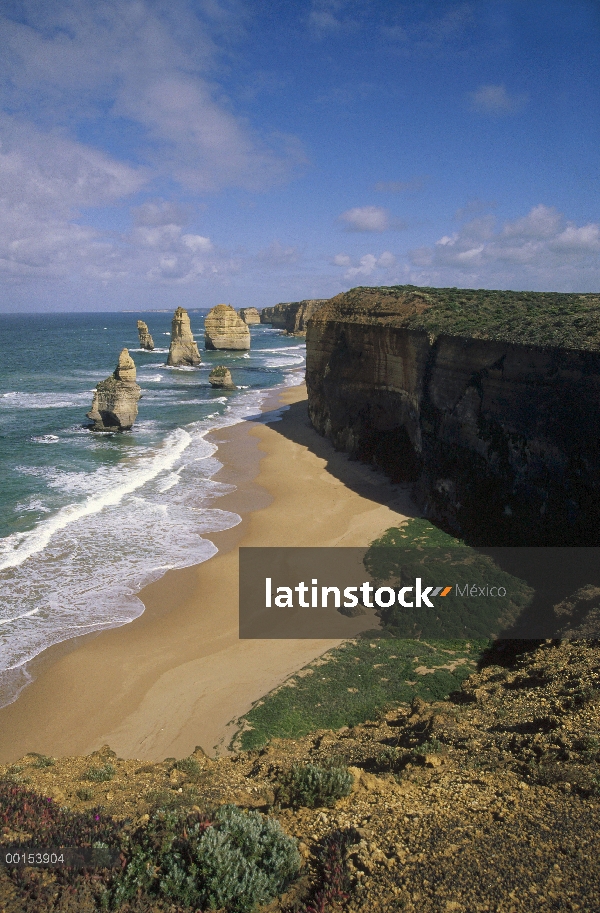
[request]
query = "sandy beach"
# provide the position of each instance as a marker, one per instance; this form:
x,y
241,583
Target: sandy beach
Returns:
x,y
179,676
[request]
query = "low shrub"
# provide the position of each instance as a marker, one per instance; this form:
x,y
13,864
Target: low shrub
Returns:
x,y
312,786
235,862
100,774
189,766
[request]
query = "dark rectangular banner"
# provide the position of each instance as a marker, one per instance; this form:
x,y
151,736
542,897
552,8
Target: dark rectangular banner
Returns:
x,y
419,592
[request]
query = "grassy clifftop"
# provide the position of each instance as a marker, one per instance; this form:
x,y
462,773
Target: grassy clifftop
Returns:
x,y
570,321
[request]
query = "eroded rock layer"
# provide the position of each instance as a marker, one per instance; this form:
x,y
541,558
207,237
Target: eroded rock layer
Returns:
x,y
499,438
291,316
114,407
183,349
224,329
250,316
146,341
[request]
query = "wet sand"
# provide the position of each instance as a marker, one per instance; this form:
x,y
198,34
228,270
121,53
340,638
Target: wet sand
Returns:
x,y
179,676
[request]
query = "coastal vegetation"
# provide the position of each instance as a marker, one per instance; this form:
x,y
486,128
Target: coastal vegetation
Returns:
x,y
568,320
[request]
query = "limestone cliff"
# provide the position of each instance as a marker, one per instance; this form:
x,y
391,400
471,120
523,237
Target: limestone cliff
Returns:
x,y
146,341
498,437
114,407
224,329
221,377
183,349
250,316
291,316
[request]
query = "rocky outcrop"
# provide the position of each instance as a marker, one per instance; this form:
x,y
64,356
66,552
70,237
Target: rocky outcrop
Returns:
x,y
250,316
292,316
498,438
183,349
114,407
221,377
146,341
224,329
276,316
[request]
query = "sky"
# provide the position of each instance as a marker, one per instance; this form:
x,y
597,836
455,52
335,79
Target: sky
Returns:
x,y
156,153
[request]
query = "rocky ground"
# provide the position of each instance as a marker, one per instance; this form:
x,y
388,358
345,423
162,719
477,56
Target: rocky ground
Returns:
x,y
488,801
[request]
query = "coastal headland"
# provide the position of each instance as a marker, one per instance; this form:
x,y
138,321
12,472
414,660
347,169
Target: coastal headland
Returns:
x,y
178,675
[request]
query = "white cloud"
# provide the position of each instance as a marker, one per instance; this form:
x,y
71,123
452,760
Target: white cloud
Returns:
x,y
494,99
541,250
367,264
342,260
366,218
146,62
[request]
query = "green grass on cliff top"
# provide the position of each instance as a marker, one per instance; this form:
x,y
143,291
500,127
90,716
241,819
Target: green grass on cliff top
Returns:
x,y
533,318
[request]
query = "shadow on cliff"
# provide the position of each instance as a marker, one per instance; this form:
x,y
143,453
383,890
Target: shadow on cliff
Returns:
x,y
362,478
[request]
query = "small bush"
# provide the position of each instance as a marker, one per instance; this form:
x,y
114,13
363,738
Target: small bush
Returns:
x,y
236,862
85,794
44,761
190,767
312,786
100,774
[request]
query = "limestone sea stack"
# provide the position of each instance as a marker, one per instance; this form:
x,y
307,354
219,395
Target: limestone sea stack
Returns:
x,y
183,349
114,407
146,341
223,329
250,316
221,377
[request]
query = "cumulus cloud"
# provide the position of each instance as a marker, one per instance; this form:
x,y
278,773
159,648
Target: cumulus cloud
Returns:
x,y
145,64
367,218
492,99
540,250
367,264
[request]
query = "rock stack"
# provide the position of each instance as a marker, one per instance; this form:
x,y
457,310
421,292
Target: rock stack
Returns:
x,y
146,341
223,329
221,377
114,407
250,316
183,349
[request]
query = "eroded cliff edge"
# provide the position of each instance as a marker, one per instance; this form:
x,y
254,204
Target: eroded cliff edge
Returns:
x,y
487,402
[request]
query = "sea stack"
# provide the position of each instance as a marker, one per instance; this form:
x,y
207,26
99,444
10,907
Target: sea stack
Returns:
x,y
183,349
221,377
250,316
114,407
146,341
224,329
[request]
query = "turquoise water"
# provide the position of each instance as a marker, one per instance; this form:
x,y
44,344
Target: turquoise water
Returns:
x,y
87,519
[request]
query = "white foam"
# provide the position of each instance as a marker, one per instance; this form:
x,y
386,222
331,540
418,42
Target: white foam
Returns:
x,y
45,439
19,400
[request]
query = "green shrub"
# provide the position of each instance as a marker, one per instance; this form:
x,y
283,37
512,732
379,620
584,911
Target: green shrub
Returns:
x,y
312,786
190,767
100,774
85,794
236,862
44,761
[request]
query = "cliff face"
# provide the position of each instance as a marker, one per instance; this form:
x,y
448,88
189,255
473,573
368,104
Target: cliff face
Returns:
x,y
292,316
114,407
250,316
146,341
499,439
224,329
183,349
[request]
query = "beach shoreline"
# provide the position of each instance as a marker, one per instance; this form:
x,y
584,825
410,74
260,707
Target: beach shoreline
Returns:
x,y
178,675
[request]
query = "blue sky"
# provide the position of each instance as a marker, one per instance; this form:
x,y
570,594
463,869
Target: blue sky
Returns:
x,y
164,152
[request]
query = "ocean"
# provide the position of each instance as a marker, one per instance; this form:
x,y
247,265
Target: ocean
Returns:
x,y
87,519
